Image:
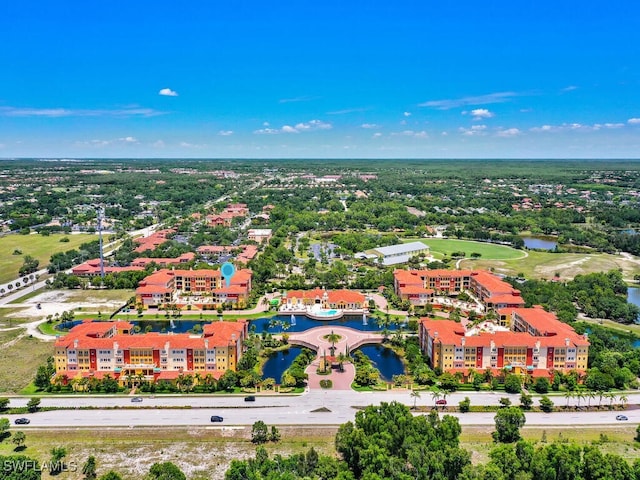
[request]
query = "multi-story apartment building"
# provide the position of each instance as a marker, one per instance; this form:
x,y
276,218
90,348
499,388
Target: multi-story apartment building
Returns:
x,y
100,348
420,287
193,289
537,343
153,241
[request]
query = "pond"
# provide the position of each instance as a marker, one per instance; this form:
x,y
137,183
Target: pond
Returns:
x,y
279,362
540,243
300,323
633,296
385,360
276,324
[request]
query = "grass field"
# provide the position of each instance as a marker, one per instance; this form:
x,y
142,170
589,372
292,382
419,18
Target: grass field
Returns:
x,y
205,453
567,265
38,246
446,246
19,362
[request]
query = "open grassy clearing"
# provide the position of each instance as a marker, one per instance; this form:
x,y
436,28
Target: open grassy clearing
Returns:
x,y
10,316
632,328
19,362
9,335
38,246
619,439
201,452
206,452
446,246
567,265
97,296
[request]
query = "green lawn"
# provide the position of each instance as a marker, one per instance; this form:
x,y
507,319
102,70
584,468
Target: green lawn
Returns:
x,y
38,246
545,265
19,362
491,251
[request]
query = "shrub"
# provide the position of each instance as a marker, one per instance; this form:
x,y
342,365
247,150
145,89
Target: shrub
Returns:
x,y
325,383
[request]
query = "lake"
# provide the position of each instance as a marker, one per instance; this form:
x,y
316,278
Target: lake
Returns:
x,y
279,362
276,324
384,359
540,243
633,296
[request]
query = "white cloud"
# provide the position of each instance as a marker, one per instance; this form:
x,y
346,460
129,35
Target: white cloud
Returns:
x,y
407,114
369,125
158,144
190,145
411,133
377,135
225,133
267,131
133,111
93,143
103,143
634,121
598,126
347,110
498,97
578,127
508,132
167,92
475,130
481,113
570,88
298,128
315,125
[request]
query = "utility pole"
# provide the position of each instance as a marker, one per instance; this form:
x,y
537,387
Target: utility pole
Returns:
x,y
100,217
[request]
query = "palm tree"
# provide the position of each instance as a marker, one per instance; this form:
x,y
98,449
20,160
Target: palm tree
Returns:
x,y
579,395
332,338
623,400
415,395
436,394
568,395
591,396
611,397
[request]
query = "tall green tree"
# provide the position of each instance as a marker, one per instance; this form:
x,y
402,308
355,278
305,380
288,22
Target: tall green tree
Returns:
x,y
508,422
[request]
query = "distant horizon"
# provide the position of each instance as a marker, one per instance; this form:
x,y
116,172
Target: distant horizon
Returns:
x,y
72,159
249,79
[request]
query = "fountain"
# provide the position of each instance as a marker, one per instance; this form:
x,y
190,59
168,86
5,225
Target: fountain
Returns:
x,y
364,319
173,325
293,319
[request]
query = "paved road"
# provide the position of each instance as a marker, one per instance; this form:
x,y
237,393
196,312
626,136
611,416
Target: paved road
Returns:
x,y
278,410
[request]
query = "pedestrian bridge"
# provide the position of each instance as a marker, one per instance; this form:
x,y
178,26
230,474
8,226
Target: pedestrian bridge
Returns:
x,y
349,338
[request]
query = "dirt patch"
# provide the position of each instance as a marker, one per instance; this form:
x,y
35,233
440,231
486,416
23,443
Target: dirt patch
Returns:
x,y
58,301
201,453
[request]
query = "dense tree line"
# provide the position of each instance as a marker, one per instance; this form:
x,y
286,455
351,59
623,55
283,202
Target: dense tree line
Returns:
x,y
65,260
387,442
597,295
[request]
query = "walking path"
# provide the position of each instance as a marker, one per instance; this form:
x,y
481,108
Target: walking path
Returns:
x,y
349,340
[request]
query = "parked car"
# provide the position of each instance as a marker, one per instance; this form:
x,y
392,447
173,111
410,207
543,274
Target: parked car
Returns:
x,y
216,418
250,398
621,417
22,421
441,402
136,399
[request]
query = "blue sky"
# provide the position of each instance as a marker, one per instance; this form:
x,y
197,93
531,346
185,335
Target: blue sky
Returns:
x,y
418,79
